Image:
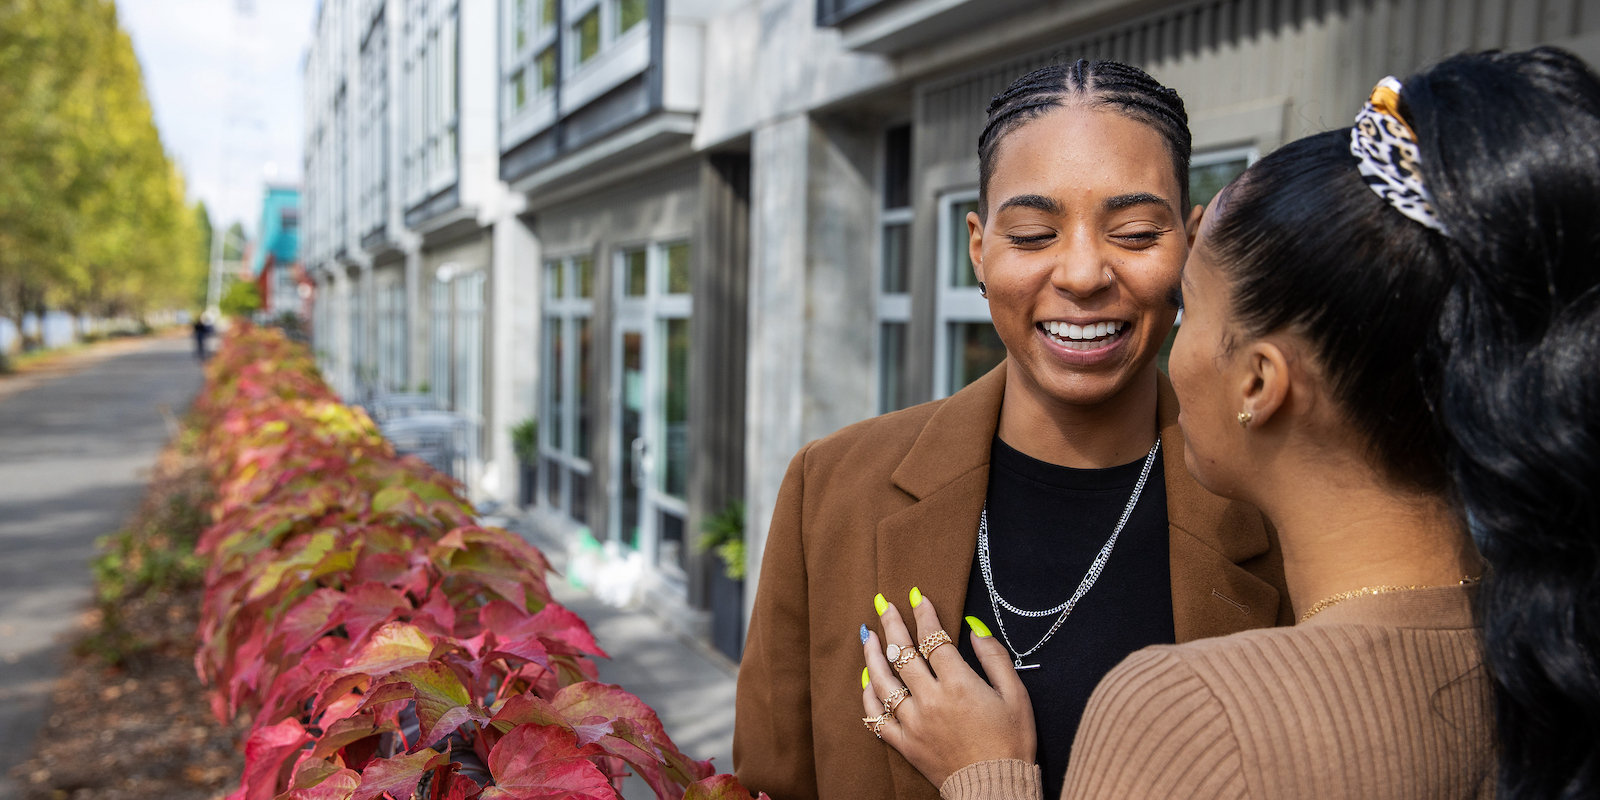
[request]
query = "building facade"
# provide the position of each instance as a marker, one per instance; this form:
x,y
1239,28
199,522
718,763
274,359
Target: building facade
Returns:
x,y
689,236
275,262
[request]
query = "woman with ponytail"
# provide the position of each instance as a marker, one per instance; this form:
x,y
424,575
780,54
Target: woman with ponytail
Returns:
x,y
1391,346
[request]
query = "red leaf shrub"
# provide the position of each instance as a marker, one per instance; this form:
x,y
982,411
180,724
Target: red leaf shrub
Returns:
x,y
381,643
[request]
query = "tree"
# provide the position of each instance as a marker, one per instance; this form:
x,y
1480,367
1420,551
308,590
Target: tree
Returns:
x,y
92,211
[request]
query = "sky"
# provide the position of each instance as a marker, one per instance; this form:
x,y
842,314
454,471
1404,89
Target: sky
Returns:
x,y
225,87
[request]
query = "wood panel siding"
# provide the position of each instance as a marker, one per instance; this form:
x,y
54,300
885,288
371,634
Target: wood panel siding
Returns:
x,y
717,365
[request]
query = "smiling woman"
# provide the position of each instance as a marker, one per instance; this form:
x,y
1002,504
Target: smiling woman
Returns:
x,y
1065,461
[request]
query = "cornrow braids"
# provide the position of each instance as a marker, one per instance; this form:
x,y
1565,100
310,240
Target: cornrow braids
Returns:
x,y
1095,84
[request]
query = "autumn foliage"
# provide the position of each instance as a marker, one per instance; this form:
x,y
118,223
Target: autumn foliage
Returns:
x,y
382,643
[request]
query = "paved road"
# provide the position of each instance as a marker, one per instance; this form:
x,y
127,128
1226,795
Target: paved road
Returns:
x,y
73,451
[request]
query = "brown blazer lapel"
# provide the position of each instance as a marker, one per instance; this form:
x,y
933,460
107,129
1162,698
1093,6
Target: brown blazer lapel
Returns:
x,y
1212,595
931,543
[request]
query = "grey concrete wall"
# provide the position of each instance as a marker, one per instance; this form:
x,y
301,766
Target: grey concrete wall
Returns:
x,y
812,369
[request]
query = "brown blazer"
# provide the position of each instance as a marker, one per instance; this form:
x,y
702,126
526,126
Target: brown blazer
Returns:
x,y
891,503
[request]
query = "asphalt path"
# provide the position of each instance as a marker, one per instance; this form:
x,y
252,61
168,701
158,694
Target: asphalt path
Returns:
x,y
74,457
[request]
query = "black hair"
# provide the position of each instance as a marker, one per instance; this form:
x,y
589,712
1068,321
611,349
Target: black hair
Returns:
x,y
1307,247
1511,146
1095,84
1470,361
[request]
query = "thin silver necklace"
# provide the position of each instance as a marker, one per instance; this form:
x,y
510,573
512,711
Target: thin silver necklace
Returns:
x,y
1065,609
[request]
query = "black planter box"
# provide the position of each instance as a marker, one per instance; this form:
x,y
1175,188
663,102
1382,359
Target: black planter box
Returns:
x,y
528,480
727,613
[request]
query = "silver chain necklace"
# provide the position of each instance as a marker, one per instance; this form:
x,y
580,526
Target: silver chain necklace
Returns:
x,y
1065,609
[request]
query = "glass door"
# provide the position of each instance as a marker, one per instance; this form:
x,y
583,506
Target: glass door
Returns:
x,y
652,410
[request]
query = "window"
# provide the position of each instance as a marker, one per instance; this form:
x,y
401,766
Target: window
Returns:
x,y
468,389
677,256
519,90
967,346
586,33
429,160
894,269
392,337
546,70
630,13
1208,173
653,325
529,62
600,24
439,343
636,272
566,429
373,131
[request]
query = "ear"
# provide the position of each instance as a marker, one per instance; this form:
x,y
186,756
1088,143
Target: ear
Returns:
x,y
1192,227
975,243
1266,386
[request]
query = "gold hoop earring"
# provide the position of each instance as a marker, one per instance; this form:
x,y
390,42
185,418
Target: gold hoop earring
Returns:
x,y
1244,419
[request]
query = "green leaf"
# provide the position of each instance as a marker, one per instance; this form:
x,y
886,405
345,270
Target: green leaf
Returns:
x,y
314,551
340,785
391,497
393,646
345,731
442,701
398,776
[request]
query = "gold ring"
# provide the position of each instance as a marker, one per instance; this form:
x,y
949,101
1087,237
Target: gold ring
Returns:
x,y
875,724
935,640
894,700
899,655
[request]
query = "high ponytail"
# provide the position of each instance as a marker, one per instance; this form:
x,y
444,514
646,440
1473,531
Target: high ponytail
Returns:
x,y
1468,360
1512,157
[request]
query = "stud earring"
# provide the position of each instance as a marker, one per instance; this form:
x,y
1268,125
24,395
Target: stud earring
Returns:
x,y
983,290
1244,419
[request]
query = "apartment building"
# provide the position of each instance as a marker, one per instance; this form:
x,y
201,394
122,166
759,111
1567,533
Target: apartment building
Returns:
x,y
690,236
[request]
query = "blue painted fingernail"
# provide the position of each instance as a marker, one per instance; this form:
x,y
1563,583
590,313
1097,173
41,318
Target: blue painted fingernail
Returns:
x,y
863,633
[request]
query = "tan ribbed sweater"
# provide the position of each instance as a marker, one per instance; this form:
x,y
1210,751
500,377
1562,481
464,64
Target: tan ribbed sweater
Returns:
x,y
1379,696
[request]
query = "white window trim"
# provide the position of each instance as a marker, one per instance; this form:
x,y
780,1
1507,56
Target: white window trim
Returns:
x,y
951,303
655,307
568,310
431,77
1250,154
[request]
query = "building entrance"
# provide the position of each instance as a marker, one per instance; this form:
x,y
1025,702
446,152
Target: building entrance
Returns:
x,y
651,407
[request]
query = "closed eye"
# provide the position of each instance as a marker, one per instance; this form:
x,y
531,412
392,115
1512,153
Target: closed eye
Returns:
x,y
1027,240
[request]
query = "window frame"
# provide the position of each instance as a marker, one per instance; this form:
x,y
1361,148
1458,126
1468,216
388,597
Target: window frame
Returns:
x,y
893,308
952,304
650,312
566,309
431,78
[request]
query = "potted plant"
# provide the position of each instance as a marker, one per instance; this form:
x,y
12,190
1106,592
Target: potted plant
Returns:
x,y
723,535
525,443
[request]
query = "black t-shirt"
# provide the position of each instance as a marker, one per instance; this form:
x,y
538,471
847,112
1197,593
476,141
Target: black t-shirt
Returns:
x,y
1046,525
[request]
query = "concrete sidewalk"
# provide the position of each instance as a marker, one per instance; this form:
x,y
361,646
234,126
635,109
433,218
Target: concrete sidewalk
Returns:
x,y
689,684
75,441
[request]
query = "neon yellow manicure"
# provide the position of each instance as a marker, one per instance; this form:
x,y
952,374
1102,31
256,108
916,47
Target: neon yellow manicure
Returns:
x,y
879,603
863,677
978,627
916,597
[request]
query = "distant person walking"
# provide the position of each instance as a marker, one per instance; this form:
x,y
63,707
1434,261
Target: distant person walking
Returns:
x,y
202,331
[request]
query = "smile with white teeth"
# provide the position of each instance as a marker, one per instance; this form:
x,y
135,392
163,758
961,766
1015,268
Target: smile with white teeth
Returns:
x,y
1083,337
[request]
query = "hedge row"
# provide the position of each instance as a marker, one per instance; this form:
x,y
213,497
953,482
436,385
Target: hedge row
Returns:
x,y
380,642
